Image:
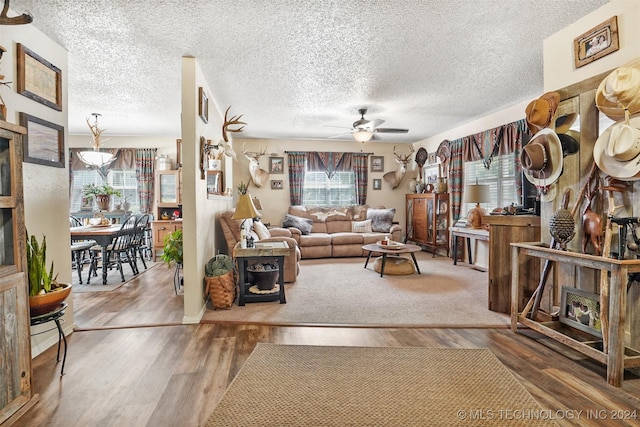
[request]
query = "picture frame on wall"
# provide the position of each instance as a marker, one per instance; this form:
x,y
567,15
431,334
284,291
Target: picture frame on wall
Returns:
x,y
581,310
215,183
276,165
432,158
43,143
377,184
599,41
377,163
38,79
276,184
203,105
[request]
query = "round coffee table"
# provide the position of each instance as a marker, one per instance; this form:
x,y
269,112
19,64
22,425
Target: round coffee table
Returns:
x,y
407,248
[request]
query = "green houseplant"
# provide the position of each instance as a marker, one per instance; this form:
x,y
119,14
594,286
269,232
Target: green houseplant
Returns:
x,y
172,254
45,293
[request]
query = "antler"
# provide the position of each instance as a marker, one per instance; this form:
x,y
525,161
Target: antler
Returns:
x,y
96,132
403,159
235,120
25,18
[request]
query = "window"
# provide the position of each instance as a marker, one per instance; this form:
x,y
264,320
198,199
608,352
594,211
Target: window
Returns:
x,y
501,178
122,180
320,190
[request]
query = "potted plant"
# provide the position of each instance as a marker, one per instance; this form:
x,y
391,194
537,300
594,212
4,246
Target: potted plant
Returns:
x,y
45,293
172,253
102,194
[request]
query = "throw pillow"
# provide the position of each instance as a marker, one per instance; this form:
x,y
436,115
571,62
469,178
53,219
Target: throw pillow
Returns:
x,y
381,219
361,226
302,224
261,230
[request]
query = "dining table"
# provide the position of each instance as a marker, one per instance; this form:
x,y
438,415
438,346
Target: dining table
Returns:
x,y
103,236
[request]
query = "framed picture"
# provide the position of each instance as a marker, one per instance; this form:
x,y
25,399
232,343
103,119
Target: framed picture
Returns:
x,y
377,184
38,79
581,310
432,158
44,142
203,105
276,164
431,174
276,184
377,163
215,183
596,43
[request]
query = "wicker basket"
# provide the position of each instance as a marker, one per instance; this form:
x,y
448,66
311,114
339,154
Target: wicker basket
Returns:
x,y
222,290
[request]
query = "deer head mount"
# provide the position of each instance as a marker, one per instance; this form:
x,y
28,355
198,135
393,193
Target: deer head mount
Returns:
x,y
258,176
395,178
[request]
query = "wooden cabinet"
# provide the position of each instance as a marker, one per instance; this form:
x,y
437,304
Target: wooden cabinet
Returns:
x,y
159,229
504,230
428,220
16,391
168,192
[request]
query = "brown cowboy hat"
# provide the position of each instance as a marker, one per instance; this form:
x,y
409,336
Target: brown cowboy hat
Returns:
x,y
541,158
540,112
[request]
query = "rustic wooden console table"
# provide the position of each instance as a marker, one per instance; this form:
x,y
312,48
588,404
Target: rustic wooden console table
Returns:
x,y
614,355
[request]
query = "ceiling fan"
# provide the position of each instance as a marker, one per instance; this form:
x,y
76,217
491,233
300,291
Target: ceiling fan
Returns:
x,y
364,130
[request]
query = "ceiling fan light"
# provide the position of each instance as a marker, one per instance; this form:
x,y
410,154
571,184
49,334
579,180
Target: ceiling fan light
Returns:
x,y
362,135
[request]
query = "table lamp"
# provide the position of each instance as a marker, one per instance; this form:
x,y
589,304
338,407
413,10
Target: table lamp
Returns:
x,y
476,193
245,209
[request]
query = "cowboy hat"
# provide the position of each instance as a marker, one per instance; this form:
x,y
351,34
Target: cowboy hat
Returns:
x,y
540,111
620,90
617,151
569,142
564,123
541,158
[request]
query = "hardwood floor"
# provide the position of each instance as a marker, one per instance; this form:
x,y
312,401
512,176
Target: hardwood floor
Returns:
x,y
122,371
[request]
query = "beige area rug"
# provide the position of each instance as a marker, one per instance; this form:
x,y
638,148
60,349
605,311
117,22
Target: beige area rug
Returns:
x,y
284,385
114,280
339,291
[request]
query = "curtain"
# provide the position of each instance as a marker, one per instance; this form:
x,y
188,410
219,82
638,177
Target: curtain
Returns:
x,y
360,166
296,176
328,162
456,177
144,160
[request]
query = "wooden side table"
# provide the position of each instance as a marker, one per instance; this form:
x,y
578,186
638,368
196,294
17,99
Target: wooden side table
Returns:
x,y
54,316
260,252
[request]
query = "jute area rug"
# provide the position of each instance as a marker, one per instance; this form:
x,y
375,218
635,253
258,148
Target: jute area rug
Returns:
x,y
340,291
114,280
287,385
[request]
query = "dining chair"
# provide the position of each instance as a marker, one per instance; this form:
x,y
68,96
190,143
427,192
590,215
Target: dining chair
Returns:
x,y
79,249
138,243
118,251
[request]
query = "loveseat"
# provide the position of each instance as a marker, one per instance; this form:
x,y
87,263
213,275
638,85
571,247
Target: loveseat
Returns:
x,y
339,231
257,231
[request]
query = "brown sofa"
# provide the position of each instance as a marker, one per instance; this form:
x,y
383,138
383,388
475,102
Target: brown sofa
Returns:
x,y
231,230
331,232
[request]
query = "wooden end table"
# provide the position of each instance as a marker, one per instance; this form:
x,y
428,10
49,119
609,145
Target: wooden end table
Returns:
x,y
407,248
260,252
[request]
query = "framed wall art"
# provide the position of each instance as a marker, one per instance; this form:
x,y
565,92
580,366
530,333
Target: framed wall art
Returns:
x,y
581,310
38,79
596,43
203,105
215,183
44,142
377,184
276,164
276,184
432,158
377,163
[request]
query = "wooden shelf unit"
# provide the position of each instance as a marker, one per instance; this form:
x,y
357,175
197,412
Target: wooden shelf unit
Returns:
x,y
168,192
428,220
615,356
159,229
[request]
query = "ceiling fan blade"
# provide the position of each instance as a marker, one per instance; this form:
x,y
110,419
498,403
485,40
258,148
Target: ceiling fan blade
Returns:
x,y
340,135
390,130
375,123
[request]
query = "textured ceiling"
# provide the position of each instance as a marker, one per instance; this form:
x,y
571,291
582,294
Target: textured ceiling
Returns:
x,y
295,68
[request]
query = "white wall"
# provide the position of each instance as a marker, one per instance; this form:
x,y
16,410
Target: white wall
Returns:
x,y
198,212
276,202
46,200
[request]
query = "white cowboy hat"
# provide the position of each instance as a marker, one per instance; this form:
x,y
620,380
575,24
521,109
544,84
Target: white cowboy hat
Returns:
x,y
620,90
617,151
541,158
